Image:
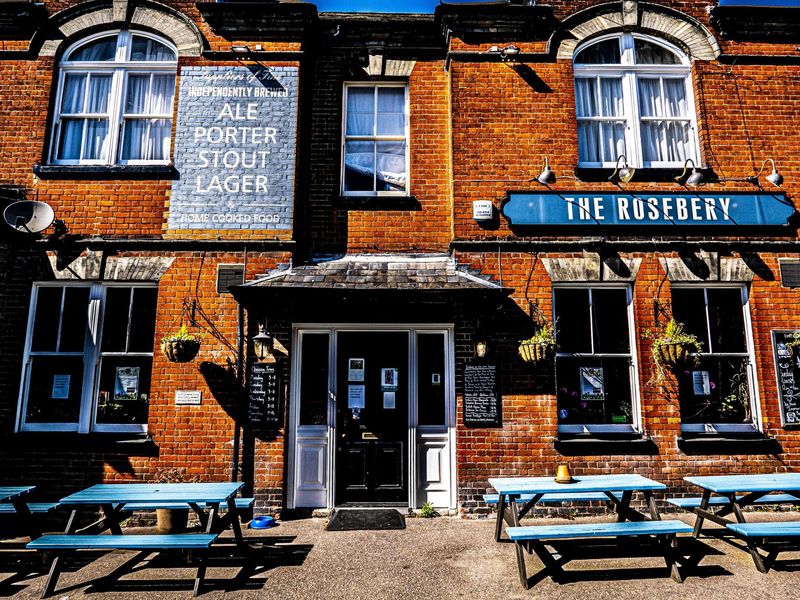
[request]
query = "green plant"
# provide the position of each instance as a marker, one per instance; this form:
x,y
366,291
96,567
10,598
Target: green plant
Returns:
x,y
673,343
427,511
543,335
182,335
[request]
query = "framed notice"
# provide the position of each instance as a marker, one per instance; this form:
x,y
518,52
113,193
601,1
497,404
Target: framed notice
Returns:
x,y
355,369
126,383
787,372
60,389
389,378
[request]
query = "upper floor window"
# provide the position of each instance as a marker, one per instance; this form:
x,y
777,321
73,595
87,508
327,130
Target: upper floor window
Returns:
x,y
375,139
633,97
114,103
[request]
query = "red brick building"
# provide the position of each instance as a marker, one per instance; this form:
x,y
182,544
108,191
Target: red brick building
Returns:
x,y
396,202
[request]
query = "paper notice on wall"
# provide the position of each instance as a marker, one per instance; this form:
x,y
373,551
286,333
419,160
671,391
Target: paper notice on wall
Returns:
x,y
355,396
389,379
592,383
126,383
60,387
701,384
355,369
389,400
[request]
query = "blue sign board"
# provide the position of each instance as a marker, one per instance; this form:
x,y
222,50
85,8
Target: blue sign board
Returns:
x,y
651,209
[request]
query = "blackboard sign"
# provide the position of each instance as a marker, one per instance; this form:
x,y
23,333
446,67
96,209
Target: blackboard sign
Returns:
x,y
787,370
481,398
264,406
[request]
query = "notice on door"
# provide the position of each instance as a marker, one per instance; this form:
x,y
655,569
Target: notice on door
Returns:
x,y
356,396
482,400
787,371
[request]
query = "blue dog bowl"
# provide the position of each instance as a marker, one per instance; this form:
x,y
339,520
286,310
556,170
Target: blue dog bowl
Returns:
x,y
264,522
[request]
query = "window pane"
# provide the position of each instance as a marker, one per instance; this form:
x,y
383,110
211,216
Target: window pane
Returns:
x,y
96,147
124,392
54,393
360,111
314,379
716,390
115,320
75,319
689,308
70,139
45,324
146,139
99,94
613,141
593,391
103,49
392,166
431,383
611,104
601,53
150,50
161,94
136,97
586,97
648,53
650,101
143,320
610,308
726,319
675,98
74,91
589,149
391,111
572,320
359,166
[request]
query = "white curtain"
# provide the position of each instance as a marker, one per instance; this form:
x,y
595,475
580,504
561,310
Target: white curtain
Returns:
x,y
145,49
85,138
360,111
600,140
103,49
148,139
662,140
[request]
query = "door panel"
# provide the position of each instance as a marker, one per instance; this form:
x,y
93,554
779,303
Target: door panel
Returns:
x,y
372,371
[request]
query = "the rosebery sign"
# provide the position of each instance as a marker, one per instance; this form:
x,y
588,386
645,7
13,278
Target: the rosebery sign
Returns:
x,y
235,148
650,209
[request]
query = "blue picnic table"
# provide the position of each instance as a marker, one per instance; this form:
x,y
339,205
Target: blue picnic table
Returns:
x,y
14,501
204,498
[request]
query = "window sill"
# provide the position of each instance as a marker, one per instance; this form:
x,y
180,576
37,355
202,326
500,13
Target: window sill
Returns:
x,y
153,172
379,203
666,175
107,443
694,444
604,444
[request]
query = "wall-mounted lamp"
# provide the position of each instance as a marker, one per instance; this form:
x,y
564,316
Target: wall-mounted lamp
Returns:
x,y
695,179
546,177
263,343
622,173
481,348
240,49
507,53
774,178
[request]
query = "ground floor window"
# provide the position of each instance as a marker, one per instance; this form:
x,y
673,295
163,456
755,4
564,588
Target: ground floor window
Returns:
x,y
88,358
718,392
595,366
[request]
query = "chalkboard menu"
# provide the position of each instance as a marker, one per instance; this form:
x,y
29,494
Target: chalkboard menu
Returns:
x,y
481,398
264,406
787,370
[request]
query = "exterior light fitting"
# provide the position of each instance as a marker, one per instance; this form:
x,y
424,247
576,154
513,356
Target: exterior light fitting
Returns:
x,y
547,176
774,178
623,173
263,343
481,348
240,49
509,51
695,179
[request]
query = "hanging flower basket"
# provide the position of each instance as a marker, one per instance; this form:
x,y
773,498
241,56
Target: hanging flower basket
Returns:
x,y
180,347
674,353
532,352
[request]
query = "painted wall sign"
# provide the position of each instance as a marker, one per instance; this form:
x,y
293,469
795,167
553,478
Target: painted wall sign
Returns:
x,y
652,209
787,370
482,404
235,148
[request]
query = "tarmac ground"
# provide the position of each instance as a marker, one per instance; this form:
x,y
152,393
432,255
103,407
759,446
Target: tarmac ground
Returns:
x,y
443,558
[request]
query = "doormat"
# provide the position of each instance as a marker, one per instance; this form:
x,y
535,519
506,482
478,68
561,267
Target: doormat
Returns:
x,y
369,520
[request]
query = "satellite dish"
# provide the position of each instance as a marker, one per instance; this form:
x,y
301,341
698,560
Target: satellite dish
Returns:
x,y
30,217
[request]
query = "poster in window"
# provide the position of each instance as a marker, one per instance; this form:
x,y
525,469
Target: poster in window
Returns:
x,y
126,383
592,383
60,387
389,400
355,396
355,369
389,380
701,383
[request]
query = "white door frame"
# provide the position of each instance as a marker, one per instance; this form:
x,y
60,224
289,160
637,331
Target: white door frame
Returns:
x,y
329,436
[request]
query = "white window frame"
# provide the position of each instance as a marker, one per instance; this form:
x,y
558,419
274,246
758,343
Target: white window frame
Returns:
x,y
406,137
119,69
630,73
752,379
92,355
635,427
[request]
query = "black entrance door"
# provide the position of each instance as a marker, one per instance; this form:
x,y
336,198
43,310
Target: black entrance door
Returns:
x,y
372,417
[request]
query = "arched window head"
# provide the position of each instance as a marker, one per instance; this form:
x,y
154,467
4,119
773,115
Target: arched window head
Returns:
x,y
633,97
115,98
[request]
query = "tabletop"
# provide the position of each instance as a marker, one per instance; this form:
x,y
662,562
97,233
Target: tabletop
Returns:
x,y
113,493
10,493
727,484
585,483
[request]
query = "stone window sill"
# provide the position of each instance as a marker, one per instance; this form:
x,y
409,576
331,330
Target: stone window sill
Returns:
x,y
409,203
604,445
107,443
730,443
94,172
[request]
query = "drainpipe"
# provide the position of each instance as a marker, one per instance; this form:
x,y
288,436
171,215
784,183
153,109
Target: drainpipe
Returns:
x,y
239,387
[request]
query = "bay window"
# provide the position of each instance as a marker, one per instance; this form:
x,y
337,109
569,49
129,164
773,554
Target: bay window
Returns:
x,y
88,358
114,102
596,378
718,394
633,97
375,140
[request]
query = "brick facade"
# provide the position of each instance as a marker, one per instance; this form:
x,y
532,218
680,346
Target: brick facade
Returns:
x,y
479,127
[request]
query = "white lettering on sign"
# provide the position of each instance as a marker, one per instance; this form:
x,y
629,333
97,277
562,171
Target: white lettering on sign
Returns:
x,y
656,209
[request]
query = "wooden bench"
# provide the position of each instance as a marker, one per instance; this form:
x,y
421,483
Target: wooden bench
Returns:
x,y
6,508
556,498
758,534
60,543
692,502
532,539
241,504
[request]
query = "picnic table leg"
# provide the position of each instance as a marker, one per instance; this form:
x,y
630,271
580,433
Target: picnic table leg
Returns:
x,y
761,565
112,519
501,509
737,510
201,514
670,556
201,559
55,566
24,515
551,564
623,506
652,506
698,521
236,524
